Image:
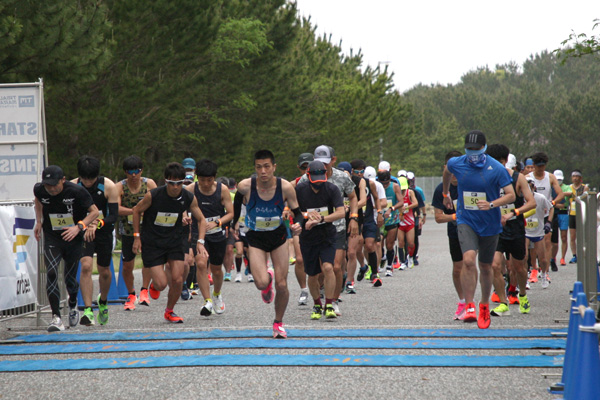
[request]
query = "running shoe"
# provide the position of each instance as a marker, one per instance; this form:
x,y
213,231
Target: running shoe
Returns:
x,y
534,276
460,311
173,318
144,299
238,277
396,265
416,260
207,309
545,282
527,286
573,260
361,272
56,324
227,277
303,299
219,303
250,278
410,262
278,331
553,265
501,311
330,312
268,294
403,266
185,293
376,281
317,312
194,290
336,308
368,274
210,279
524,306
130,303
512,298
292,261
155,294
562,261
470,313
350,288
388,272
87,318
495,298
102,313
73,316
483,322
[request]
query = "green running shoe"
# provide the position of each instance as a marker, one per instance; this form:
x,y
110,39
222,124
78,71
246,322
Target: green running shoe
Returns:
x,y
88,317
102,312
501,311
317,312
330,312
368,274
524,306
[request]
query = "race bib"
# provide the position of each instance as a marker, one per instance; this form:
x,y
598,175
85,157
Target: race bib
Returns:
x,y
346,202
508,208
389,203
166,219
267,223
532,223
324,211
61,221
216,229
470,199
130,219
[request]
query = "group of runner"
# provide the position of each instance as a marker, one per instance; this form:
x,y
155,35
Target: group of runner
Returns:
x,y
339,221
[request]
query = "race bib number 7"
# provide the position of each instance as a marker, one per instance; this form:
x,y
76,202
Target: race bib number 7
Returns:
x,y
166,219
470,199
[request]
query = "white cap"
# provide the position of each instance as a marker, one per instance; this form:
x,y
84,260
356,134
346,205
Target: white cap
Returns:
x,y
370,172
559,175
511,162
410,175
323,154
384,166
402,172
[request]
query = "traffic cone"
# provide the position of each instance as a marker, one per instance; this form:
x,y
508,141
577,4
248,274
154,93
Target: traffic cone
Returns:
x,y
583,382
574,317
121,287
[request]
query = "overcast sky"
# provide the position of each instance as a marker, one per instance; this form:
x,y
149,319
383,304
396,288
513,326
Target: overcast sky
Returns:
x,y
439,41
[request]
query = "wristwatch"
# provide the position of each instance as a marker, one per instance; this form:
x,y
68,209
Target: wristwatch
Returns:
x,y
81,226
201,241
492,205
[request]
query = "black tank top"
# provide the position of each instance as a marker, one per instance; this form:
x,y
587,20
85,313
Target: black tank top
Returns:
x,y
213,210
162,225
515,227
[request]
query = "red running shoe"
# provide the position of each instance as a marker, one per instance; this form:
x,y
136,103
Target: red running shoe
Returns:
x,y
144,300
470,314
155,294
495,298
534,276
483,322
512,298
173,318
268,294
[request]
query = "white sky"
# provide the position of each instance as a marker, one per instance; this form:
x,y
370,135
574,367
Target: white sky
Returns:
x,y
439,41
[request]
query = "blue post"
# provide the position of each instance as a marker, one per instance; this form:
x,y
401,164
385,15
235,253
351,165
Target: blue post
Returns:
x,y
573,343
584,382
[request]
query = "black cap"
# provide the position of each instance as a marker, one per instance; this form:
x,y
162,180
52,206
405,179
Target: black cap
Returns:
x,y
474,140
305,158
52,174
316,172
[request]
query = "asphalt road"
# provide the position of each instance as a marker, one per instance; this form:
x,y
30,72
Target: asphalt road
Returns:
x,y
422,298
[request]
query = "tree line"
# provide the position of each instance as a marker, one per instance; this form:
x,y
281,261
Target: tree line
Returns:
x,y
220,79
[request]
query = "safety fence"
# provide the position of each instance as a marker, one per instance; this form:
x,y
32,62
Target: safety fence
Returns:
x,y
587,245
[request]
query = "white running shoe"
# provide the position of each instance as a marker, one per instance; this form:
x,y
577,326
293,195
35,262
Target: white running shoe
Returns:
x,y
219,304
545,282
303,299
73,316
207,309
238,277
403,266
336,308
410,262
56,324
388,272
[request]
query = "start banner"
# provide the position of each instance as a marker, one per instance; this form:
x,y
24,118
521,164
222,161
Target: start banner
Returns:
x,y
18,252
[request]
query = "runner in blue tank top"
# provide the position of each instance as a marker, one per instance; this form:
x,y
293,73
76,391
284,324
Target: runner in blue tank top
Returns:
x,y
265,196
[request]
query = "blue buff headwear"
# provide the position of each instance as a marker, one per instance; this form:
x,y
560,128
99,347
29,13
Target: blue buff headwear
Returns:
x,y
476,158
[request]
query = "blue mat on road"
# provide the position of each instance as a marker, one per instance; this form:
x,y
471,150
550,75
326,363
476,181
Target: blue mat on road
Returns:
x,y
284,360
292,333
284,344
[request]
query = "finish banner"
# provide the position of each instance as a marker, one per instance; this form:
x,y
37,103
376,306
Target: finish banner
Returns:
x,y
18,252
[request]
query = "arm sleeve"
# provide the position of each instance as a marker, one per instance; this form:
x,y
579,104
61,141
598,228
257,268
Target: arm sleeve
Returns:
x,y
237,206
113,213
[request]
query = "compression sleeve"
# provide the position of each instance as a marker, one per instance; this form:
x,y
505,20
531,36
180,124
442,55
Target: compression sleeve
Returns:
x,y
113,213
238,200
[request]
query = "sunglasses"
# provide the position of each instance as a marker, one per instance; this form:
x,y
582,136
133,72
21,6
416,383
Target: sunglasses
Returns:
x,y
174,183
133,171
358,171
303,167
317,172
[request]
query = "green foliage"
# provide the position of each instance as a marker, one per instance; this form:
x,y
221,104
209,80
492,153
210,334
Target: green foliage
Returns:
x,y
579,45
